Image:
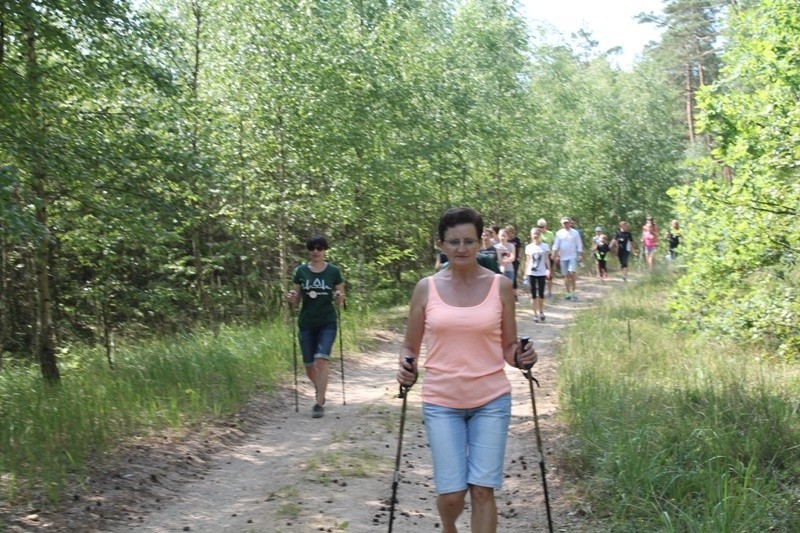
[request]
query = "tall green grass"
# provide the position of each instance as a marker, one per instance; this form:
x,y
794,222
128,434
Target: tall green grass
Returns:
x,y
678,433
48,433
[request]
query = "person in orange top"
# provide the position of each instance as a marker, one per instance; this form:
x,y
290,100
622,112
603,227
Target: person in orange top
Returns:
x,y
466,313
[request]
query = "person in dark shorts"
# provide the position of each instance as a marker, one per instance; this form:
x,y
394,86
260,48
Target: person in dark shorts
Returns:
x,y
623,246
514,239
318,284
674,238
600,253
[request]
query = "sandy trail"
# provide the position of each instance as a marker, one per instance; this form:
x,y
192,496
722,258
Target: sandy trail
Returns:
x,y
273,470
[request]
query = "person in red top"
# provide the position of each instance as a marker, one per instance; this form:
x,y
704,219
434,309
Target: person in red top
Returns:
x,y
650,242
466,313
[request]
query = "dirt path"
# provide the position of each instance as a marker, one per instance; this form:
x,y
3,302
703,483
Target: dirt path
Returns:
x,y
274,470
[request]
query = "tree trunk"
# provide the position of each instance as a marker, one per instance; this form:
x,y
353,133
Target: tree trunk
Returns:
x,y
728,174
199,272
5,327
360,198
108,333
283,245
247,260
690,102
2,32
197,232
45,346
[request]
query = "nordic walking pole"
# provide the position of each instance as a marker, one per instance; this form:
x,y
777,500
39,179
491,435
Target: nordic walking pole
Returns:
x,y
294,352
529,376
396,479
341,350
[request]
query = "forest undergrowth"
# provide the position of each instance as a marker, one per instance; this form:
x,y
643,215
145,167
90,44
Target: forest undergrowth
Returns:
x,y
678,432
49,433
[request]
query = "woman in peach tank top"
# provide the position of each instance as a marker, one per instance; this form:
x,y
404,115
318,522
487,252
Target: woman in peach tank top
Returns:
x,y
466,315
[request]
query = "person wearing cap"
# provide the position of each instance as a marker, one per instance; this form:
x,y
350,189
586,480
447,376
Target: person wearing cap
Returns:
x,y
568,250
600,253
318,284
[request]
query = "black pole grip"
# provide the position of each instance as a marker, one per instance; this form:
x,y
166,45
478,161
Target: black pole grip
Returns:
x,y
523,341
405,388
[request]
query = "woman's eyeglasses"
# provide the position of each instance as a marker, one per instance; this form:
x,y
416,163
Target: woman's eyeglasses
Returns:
x,y
317,248
455,243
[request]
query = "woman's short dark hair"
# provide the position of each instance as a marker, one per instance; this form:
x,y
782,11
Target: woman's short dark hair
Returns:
x,y
460,215
317,240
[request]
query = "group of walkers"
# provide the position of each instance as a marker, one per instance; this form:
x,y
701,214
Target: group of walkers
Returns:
x,y
466,314
623,243
564,251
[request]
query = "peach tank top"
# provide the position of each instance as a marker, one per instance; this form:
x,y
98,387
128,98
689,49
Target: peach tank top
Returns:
x,y
464,365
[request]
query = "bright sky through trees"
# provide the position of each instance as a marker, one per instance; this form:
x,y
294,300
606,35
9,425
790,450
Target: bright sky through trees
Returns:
x,y
611,22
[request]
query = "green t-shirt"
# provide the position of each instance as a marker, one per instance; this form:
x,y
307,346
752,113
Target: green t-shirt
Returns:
x,y
548,237
317,289
488,261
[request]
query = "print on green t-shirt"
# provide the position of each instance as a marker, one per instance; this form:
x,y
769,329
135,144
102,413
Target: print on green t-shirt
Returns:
x,y
317,289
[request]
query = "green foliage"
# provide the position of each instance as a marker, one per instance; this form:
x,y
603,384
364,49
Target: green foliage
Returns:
x,y
743,279
612,140
191,148
677,433
742,235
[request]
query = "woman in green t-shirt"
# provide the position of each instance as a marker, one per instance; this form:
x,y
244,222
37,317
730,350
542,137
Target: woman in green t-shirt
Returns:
x,y
319,283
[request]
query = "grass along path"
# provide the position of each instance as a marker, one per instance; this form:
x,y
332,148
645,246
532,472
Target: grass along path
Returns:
x,y
271,469
678,432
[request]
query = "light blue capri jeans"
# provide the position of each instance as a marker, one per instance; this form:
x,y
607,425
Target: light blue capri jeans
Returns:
x,y
468,445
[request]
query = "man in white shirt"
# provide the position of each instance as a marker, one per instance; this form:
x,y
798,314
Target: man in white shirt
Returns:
x,y
568,250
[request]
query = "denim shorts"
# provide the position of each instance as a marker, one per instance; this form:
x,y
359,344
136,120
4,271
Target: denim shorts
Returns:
x,y
468,445
569,265
317,343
